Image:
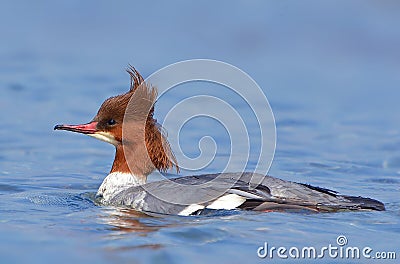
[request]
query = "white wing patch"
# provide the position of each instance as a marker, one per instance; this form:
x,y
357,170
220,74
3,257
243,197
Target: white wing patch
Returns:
x,y
227,202
191,209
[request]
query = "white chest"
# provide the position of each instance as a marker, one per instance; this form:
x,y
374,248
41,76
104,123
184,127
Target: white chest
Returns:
x,y
116,182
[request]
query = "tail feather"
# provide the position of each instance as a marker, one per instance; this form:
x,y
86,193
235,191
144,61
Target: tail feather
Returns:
x,y
348,203
366,203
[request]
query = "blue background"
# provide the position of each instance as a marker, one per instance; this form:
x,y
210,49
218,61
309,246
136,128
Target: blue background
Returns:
x,y
330,70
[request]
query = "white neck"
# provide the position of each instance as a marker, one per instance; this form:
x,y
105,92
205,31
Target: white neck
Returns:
x,y
116,182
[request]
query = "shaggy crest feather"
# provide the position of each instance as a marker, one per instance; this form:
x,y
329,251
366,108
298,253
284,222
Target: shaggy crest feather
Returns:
x,y
141,137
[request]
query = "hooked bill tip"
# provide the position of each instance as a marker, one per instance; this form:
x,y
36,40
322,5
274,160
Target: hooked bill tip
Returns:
x,y
89,128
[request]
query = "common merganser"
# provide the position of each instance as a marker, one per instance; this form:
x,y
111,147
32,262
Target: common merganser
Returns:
x,y
136,157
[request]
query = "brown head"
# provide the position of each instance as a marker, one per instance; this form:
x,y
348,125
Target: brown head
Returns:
x,y
127,122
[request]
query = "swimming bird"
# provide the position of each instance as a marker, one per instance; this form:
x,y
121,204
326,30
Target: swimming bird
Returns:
x,y
144,148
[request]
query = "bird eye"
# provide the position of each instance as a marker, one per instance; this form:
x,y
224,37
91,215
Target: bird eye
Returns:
x,y
111,122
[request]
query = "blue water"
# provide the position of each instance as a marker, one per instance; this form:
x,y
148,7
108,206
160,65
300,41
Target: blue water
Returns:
x,y
329,69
